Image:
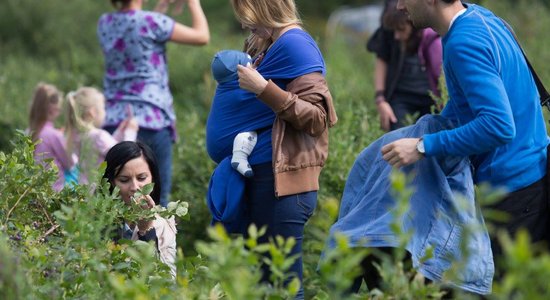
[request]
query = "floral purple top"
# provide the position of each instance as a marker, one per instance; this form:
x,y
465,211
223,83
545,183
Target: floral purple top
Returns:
x,y
136,73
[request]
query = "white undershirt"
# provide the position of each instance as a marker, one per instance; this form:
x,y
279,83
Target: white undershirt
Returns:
x,y
458,14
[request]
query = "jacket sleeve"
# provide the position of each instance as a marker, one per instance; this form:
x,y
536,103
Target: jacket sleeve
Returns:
x,y
307,105
165,237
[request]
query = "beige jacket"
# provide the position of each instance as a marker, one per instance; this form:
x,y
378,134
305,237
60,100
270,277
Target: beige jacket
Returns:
x,y
166,236
300,132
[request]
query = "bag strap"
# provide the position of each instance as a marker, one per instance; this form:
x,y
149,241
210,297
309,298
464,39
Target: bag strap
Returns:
x,y
544,96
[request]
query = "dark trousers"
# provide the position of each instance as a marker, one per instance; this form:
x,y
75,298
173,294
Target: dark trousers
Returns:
x,y
527,208
371,276
285,216
402,107
369,272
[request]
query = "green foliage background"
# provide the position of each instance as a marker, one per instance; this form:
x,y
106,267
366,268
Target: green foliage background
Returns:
x,y
55,41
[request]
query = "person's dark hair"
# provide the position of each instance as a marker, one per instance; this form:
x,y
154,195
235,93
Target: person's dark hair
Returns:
x,y
123,152
394,19
118,4
449,1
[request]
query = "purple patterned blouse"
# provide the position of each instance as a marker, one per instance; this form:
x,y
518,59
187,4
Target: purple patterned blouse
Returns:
x,y
136,73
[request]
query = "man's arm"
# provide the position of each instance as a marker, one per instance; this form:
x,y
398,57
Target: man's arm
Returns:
x,y
475,73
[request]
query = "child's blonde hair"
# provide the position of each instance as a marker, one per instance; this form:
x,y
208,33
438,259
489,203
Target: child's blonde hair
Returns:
x,y
82,105
45,95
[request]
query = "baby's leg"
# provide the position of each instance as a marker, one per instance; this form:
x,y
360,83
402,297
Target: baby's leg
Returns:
x,y
243,144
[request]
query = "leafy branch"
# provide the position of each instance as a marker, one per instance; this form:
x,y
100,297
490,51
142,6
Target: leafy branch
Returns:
x,y
139,211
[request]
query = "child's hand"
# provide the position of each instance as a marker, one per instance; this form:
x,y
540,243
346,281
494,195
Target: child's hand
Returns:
x,y
129,111
127,130
132,124
130,131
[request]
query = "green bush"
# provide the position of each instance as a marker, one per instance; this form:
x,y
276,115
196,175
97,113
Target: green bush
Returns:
x,y
60,246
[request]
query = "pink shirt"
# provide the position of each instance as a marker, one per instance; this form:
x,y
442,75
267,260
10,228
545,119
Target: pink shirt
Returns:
x,y
53,145
102,141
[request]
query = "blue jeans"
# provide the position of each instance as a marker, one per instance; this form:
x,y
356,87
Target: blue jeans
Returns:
x,y
285,216
160,142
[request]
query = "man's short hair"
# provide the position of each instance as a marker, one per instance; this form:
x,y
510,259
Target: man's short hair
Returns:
x,y
449,1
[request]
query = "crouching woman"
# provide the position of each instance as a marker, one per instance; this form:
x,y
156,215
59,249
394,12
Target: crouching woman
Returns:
x,y
130,166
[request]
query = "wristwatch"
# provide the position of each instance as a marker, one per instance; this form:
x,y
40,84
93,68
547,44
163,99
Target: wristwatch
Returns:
x,y
420,146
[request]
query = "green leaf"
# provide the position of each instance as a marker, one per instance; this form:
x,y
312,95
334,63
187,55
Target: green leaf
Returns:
x,y
181,211
147,189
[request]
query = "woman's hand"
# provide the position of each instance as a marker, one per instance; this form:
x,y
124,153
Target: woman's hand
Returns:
x,y
386,114
162,6
250,79
145,202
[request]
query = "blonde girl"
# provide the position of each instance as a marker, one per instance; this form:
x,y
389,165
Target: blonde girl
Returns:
x,y
45,108
85,138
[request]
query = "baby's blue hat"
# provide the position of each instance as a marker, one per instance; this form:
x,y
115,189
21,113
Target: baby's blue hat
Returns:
x,y
224,64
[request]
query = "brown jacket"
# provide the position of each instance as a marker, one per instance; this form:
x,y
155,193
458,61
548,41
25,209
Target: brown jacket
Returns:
x,y
300,132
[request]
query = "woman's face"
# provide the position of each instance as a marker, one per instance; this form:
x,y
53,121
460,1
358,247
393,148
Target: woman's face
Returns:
x,y
134,175
260,31
404,33
54,110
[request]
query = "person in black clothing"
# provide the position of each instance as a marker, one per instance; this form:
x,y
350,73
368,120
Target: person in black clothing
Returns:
x,y
408,65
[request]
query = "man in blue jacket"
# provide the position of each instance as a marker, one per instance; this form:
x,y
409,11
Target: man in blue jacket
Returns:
x,y
495,105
